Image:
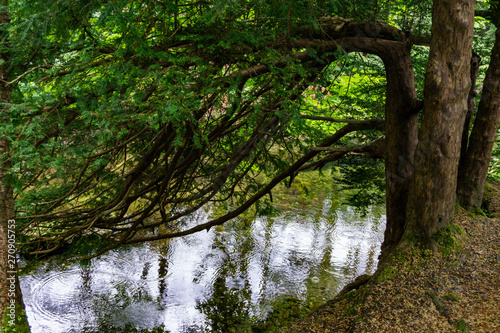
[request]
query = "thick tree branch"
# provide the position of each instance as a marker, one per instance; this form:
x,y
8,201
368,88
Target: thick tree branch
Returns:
x,y
369,124
375,149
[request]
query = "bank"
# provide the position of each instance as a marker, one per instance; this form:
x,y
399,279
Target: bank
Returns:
x,y
454,290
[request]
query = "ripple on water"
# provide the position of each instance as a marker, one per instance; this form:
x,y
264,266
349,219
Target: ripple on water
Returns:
x,y
77,295
54,297
282,258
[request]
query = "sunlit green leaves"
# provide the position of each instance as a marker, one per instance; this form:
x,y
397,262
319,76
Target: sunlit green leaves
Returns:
x,y
154,108
366,179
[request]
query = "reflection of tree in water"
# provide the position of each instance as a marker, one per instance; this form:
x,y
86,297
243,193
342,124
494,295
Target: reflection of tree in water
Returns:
x,y
255,274
279,298
162,276
372,260
163,261
324,272
108,309
85,305
363,239
227,309
355,260
99,303
189,329
164,252
107,306
128,328
230,308
145,270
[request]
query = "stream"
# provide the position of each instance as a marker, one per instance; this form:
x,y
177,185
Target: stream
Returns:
x,y
253,274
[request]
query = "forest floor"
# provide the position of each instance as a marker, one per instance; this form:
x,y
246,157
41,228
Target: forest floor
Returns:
x,y
454,290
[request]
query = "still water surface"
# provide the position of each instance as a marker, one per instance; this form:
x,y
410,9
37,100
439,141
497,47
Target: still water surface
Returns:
x,y
245,276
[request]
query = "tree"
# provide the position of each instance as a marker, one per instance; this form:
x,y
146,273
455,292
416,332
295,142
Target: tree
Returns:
x,y
476,160
130,115
447,84
168,156
6,200
11,302
151,137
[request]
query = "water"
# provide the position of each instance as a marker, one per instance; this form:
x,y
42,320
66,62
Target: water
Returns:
x,y
247,275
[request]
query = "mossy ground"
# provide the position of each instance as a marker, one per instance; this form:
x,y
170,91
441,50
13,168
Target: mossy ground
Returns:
x,y
16,325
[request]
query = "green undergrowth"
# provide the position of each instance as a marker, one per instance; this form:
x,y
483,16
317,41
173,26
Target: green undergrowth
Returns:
x,y
15,321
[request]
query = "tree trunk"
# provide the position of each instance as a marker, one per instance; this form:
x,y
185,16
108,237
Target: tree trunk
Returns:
x,y
474,168
401,139
471,105
11,303
12,308
433,188
401,114
7,266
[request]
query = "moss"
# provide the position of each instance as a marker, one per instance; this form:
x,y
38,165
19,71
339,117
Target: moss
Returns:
x,y
347,296
488,187
407,258
476,212
462,325
448,240
452,297
440,306
351,311
427,254
490,196
355,300
386,274
19,324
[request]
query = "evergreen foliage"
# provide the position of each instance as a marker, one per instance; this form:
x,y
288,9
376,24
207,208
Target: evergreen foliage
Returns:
x,y
128,115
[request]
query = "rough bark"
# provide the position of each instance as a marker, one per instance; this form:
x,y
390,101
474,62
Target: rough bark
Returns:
x,y
432,195
6,214
474,167
401,114
471,105
6,202
6,206
10,291
401,133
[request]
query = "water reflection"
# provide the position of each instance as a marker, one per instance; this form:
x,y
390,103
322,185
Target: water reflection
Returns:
x,y
249,275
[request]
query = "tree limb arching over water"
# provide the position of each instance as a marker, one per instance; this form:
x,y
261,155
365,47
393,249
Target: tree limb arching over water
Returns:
x,y
126,116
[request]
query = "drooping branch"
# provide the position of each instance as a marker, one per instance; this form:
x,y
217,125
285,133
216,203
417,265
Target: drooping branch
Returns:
x,y
165,187
369,124
158,174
